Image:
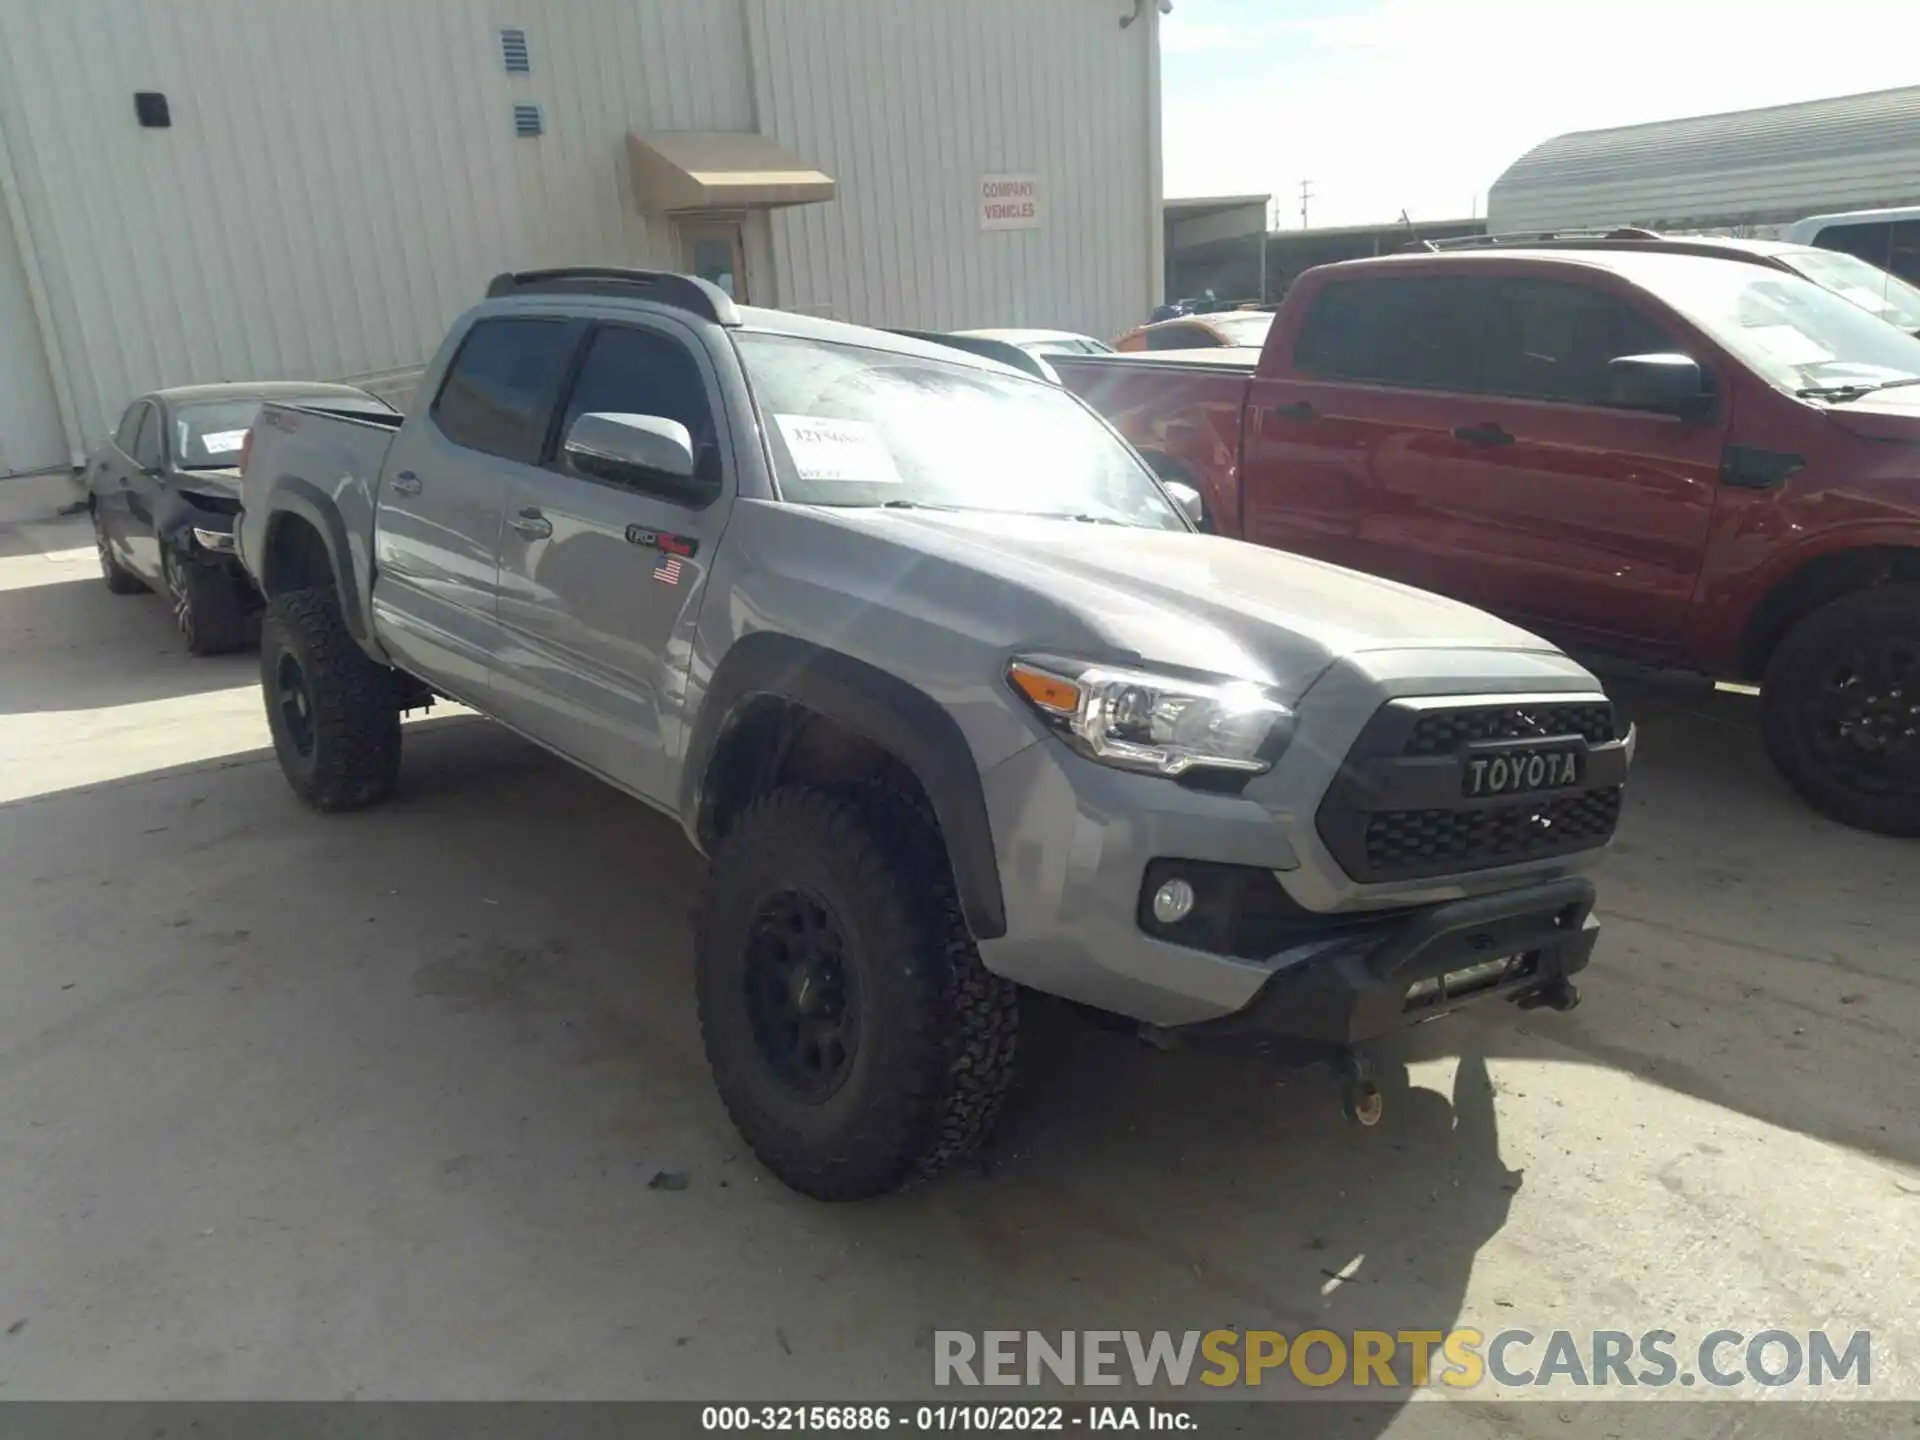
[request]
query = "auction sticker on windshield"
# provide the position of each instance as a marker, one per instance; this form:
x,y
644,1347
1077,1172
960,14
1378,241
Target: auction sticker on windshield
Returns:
x,y
845,450
219,442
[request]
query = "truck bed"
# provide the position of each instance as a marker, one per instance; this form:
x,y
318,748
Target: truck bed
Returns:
x,y
298,449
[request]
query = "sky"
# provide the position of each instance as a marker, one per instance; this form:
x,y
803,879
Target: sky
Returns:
x,y
1420,104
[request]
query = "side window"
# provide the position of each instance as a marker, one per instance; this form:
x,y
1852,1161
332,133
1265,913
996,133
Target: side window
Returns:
x,y
129,429
501,387
1181,337
1903,255
1423,333
147,452
1870,240
643,372
1549,340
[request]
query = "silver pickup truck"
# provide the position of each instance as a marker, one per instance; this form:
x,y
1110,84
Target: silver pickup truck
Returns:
x,y
949,690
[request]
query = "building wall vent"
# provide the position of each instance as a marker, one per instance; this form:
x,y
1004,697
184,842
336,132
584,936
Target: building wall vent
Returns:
x,y
513,50
526,120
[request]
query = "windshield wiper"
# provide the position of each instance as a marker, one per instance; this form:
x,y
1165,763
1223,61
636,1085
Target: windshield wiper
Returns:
x,y
1840,394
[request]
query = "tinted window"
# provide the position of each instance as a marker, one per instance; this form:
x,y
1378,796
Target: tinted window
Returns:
x,y
500,389
1422,332
642,372
1869,241
146,445
1903,257
129,427
1181,337
1548,340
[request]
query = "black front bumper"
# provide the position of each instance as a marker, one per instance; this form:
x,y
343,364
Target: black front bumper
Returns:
x,y
1361,985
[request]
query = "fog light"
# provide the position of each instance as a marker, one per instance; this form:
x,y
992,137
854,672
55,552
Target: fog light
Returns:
x,y
216,540
1173,902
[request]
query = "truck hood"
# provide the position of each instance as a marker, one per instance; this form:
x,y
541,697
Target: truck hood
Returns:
x,y
1196,601
1883,415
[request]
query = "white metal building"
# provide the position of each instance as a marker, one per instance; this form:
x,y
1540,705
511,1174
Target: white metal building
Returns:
x,y
1748,171
202,190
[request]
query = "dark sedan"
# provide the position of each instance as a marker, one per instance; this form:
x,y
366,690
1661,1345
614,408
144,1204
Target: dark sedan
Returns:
x,y
164,492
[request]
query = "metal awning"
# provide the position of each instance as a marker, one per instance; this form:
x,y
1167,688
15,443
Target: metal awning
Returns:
x,y
720,170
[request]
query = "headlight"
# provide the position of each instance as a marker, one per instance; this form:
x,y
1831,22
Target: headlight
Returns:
x,y
1163,724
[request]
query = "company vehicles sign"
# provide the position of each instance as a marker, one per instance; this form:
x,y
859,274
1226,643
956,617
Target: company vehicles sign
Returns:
x,y
1009,202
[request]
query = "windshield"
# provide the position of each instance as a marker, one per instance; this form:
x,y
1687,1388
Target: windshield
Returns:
x,y
208,437
1066,347
1875,290
1796,334
1248,329
852,426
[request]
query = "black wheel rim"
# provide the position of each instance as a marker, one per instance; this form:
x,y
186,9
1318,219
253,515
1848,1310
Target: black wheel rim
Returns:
x,y
800,997
177,592
1866,716
296,703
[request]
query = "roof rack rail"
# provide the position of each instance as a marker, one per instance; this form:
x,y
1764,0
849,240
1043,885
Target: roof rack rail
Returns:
x,y
1529,237
664,287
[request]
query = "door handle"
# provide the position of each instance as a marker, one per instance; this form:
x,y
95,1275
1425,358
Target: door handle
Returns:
x,y
406,483
1487,433
532,524
1298,411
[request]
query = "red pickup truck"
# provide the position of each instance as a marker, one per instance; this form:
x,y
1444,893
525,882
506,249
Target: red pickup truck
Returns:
x,y
1688,460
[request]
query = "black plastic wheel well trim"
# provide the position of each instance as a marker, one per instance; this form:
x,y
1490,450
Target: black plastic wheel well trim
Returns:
x,y
894,715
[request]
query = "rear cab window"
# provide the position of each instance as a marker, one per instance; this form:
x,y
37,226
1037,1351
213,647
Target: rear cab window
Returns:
x,y
502,386
1422,332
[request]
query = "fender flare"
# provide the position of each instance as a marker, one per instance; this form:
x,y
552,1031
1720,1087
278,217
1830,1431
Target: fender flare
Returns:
x,y
893,714
302,498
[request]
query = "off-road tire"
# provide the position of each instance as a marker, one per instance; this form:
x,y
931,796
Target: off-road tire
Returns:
x,y
352,755
120,580
1793,696
935,1034
207,607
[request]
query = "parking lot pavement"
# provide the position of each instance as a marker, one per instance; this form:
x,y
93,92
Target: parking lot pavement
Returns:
x,y
370,1105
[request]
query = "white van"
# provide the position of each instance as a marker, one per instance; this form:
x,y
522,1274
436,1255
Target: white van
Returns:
x,y
1887,238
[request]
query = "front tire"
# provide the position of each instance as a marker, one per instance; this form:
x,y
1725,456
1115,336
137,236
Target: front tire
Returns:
x,y
856,1039
1840,706
206,606
333,711
120,580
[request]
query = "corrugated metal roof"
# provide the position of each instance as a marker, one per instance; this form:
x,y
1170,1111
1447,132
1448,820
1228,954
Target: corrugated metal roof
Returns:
x,y
1846,126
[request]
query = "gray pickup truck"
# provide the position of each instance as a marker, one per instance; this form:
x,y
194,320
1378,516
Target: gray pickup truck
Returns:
x,y
948,689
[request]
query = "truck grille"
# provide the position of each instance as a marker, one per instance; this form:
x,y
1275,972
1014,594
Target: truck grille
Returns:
x,y
1440,732
1398,808
1400,841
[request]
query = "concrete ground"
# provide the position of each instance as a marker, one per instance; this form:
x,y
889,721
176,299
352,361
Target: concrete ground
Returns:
x,y
369,1106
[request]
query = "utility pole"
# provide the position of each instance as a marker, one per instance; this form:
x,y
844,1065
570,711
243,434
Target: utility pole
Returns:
x,y
1306,194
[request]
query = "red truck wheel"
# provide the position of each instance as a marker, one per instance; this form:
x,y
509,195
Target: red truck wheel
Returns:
x,y
1840,705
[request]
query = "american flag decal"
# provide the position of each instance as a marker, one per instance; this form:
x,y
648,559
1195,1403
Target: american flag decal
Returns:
x,y
667,569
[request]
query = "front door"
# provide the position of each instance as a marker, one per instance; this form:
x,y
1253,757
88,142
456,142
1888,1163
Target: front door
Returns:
x,y
600,582
715,250
1548,503
443,494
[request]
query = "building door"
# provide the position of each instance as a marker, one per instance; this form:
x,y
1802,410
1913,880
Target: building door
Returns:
x,y
715,250
30,436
